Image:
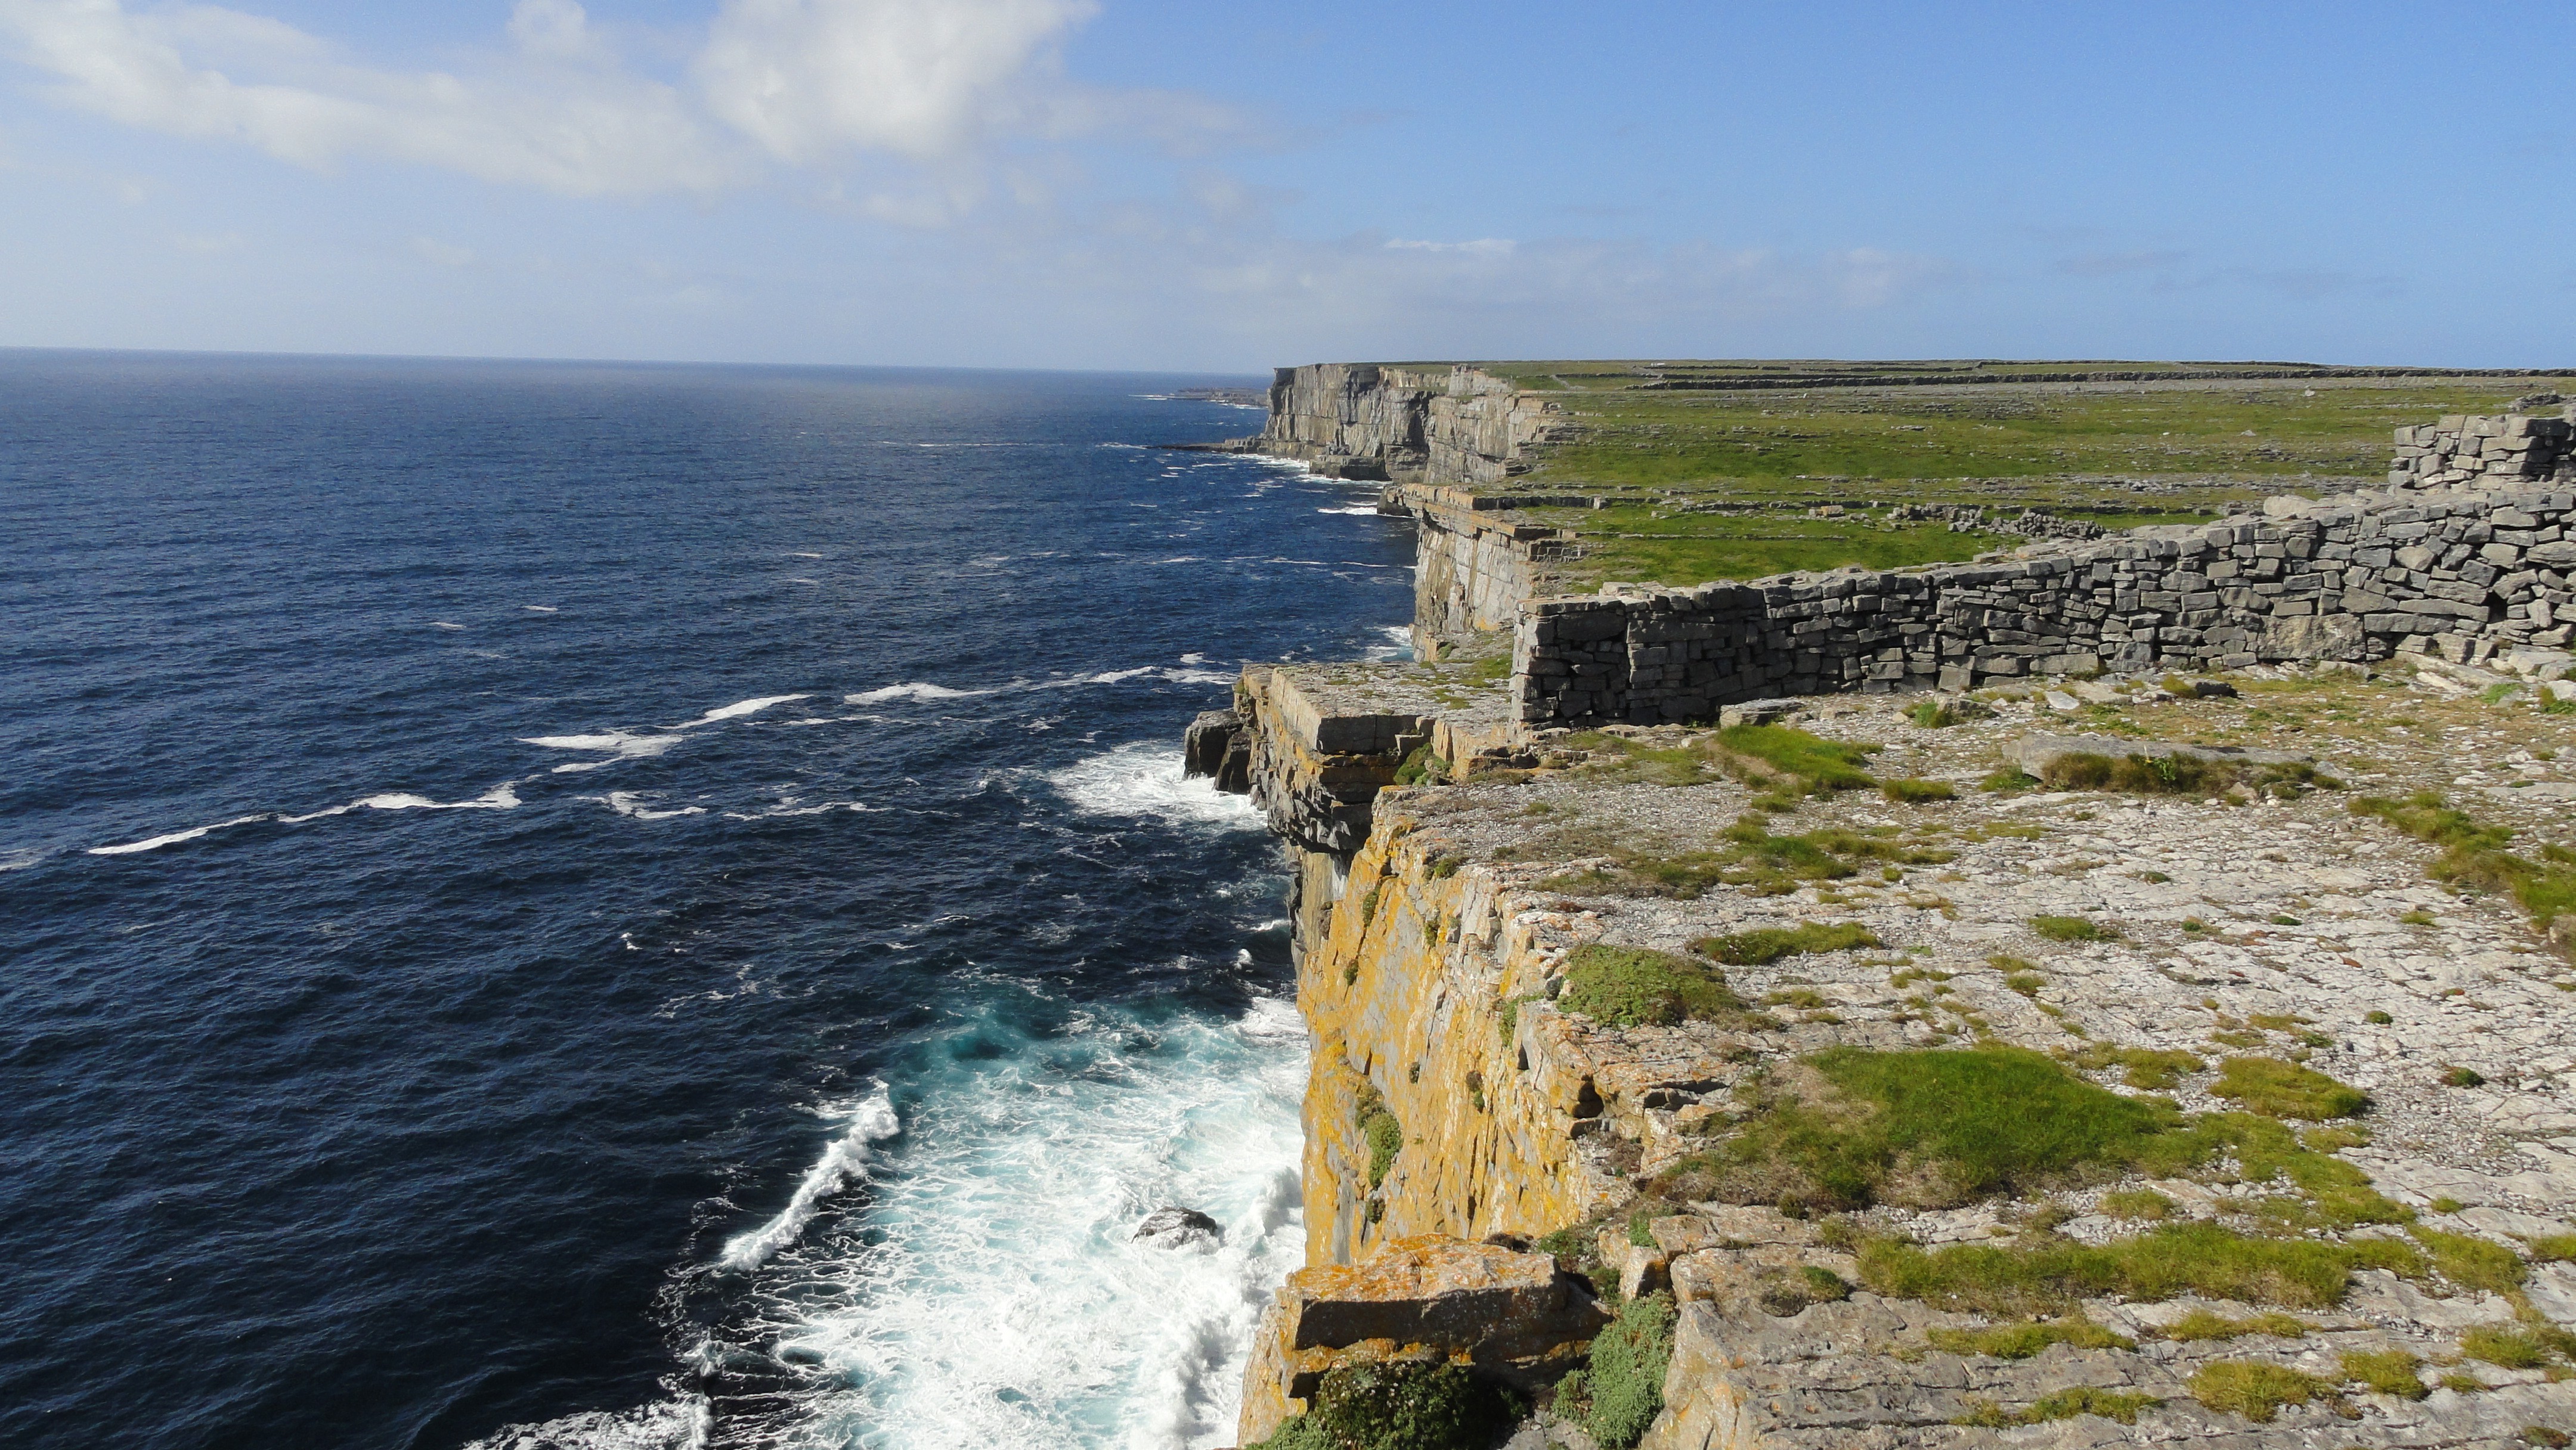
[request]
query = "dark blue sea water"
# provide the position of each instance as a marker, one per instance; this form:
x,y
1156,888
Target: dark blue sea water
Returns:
x,y
569,905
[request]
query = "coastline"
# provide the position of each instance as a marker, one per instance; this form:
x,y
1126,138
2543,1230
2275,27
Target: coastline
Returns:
x,y
1445,898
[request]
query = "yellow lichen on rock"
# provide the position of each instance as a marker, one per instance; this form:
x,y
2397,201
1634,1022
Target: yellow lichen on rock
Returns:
x,y
1404,995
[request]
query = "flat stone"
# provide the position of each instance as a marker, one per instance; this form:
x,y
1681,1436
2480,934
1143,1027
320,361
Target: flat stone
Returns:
x,y
1760,712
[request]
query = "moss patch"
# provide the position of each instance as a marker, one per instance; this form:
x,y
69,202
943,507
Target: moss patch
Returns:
x,y
2280,1089
2255,1390
2073,928
1927,1128
1634,986
2202,1324
2022,1341
2473,1263
2177,775
1399,1406
2473,855
2145,1068
1623,1390
2386,1371
2066,1404
1770,944
2196,1258
1822,765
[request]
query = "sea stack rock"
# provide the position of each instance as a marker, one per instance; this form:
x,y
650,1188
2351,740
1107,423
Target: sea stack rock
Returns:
x,y
1178,1228
1218,747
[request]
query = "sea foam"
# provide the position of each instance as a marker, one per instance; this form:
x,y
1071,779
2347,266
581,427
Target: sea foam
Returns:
x,y
985,1287
871,1120
1146,779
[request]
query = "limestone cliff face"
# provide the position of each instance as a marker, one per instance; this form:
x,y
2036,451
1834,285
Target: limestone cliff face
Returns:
x,y
1405,996
1435,425
1473,567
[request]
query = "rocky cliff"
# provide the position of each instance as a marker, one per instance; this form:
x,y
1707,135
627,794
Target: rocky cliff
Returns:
x,y
1595,1015
1452,425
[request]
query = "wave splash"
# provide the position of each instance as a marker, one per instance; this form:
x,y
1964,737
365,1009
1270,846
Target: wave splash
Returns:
x,y
872,1120
1146,779
989,1290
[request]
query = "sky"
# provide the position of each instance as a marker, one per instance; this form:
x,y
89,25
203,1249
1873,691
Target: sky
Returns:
x,y
1135,184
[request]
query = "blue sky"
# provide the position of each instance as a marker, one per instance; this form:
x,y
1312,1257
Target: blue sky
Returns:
x,y
1119,184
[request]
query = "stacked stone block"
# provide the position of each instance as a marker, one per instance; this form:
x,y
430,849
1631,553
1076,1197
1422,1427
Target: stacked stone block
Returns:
x,y
2358,578
2507,450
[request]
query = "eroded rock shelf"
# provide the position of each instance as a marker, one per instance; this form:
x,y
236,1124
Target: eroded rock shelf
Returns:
x,y
1609,1018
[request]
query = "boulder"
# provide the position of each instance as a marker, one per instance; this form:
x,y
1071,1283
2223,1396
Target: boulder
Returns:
x,y
1178,1228
1219,746
1760,712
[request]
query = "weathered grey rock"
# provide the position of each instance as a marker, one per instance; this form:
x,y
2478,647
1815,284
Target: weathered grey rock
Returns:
x,y
1179,1228
1760,712
1217,746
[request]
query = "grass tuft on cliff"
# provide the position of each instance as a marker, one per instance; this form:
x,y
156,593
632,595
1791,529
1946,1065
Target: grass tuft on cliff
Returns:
x,y
2255,1390
2473,855
1770,944
1928,1129
2278,1089
1620,1395
1821,765
2177,775
1382,1132
1411,1405
1634,986
1932,1129
2194,1258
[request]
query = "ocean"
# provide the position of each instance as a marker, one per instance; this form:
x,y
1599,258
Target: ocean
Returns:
x,y
573,905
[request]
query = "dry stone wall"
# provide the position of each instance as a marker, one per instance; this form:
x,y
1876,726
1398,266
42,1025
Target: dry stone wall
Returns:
x,y
2356,578
2459,449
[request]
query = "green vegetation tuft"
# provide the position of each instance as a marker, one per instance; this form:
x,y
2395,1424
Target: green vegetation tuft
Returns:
x,y
2065,1404
2194,1258
1380,1130
2021,1341
1635,986
1770,944
2138,1205
1623,1390
1823,765
2278,1089
2073,928
2463,1077
2471,1262
1928,1129
2387,1371
1422,767
2177,775
2255,1390
2473,856
1406,1405
2506,1346
2147,1069
1912,792
2202,1324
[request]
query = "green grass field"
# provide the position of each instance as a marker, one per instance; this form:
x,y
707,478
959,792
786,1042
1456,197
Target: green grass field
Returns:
x,y
1713,480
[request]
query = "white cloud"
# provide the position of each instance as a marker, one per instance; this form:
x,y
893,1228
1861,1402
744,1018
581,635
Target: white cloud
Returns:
x,y
810,78
1482,247
807,83
537,116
